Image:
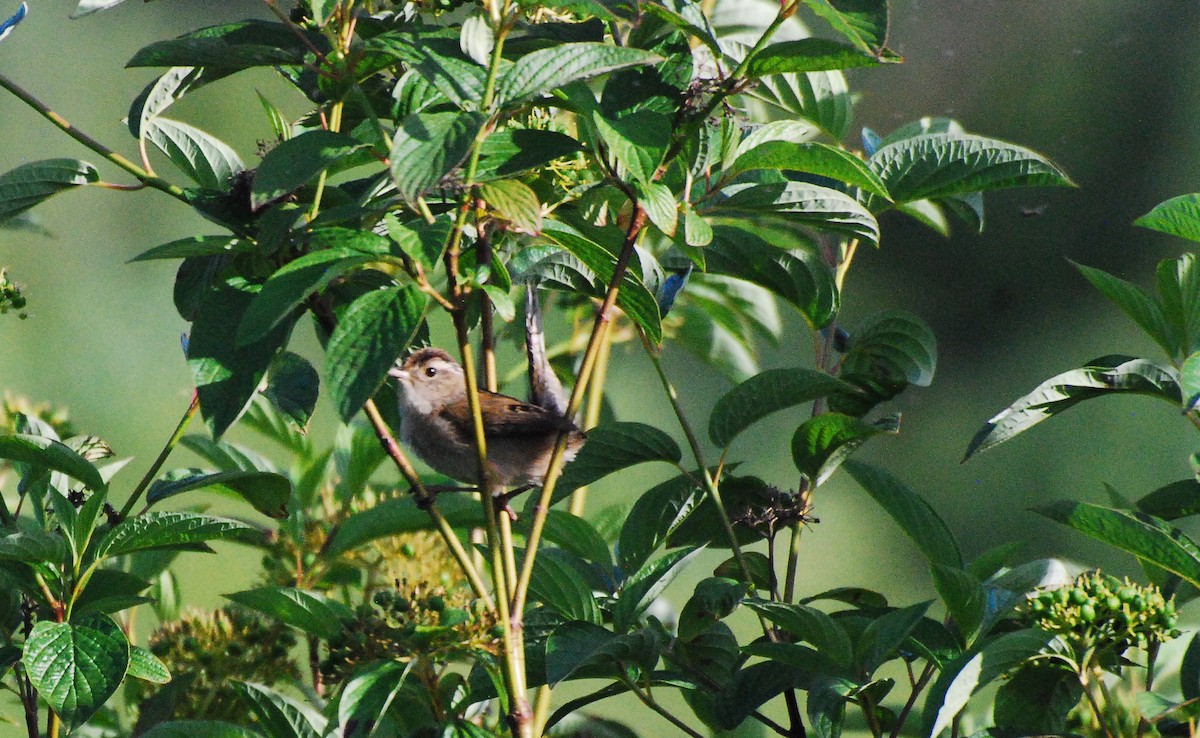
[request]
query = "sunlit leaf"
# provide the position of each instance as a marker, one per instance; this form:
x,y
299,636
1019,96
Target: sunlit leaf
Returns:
x,y
812,158
766,393
311,613
822,443
544,70
205,159
75,667
807,55
428,146
863,22
1179,216
267,492
915,516
39,451
800,202
294,163
169,529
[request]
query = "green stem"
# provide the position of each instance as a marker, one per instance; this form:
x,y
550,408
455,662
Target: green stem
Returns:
x,y
1085,681
648,700
591,417
65,126
793,563
917,687
172,442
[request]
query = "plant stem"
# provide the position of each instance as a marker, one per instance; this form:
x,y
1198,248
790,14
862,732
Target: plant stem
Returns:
x,y
918,686
1091,698
591,417
648,700
65,126
53,724
541,709
793,562
172,442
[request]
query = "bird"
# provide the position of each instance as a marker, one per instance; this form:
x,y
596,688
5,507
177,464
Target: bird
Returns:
x,y
436,423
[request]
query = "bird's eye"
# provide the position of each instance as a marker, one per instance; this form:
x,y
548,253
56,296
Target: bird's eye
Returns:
x,y
430,371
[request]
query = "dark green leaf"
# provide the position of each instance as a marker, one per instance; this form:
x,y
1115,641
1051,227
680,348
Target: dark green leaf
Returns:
x,y
199,729
765,393
33,546
1179,287
1137,304
311,613
514,151
547,69
1179,216
267,492
203,158
371,335
280,716
1189,670
1170,502
439,60
809,625
963,595
576,535
912,513
812,158
761,575
1036,699
294,163
368,695
399,516
800,202
753,687
893,346
146,666
428,146
110,590
657,513
579,649
292,387
557,583
1106,375
615,446
826,705
76,667
807,55
234,46
821,444
197,246
39,451
647,583
30,184
713,599
1144,536
863,22
637,140
169,529
879,642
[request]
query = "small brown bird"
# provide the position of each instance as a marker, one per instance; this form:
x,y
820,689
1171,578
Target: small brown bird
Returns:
x,y
436,424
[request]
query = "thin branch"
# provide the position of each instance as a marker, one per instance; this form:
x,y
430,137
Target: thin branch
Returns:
x,y
173,441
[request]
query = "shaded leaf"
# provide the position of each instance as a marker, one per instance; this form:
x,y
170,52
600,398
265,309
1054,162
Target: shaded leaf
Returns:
x,y
232,46
267,492
197,246
916,517
863,22
557,583
614,446
647,583
766,393
311,613
514,151
397,516
39,451
29,184
1137,304
295,162
653,517
1036,699
810,625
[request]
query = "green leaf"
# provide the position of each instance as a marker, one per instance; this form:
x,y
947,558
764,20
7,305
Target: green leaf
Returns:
x,y
292,388
169,529
576,535
267,492
766,393
547,69
637,140
76,667
197,246
311,613
203,158
428,146
513,151
39,451
280,716
1179,216
29,184
396,516
647,583
916,517
438,59
1036,699
807,55
514,201
1142,535
963,595
579,649
863,22
1189,382
557,583
294,163
713,599
145,665
800,202
812,158
660,206
654,516
1189,670
893,346
33,546
614,446
822,98
1137,304
809,625
166,91
939,165
1106,375
230,47
199,729
1179,287
821,444
375,329
1176,500
633,298
886,633
752,687
110,590
368,695
228,374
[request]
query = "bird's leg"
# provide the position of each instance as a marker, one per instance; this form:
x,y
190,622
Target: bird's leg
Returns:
x,y
436,489
503,498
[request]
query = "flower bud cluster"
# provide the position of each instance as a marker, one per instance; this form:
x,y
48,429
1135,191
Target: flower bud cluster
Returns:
x,y
1098,611
11,296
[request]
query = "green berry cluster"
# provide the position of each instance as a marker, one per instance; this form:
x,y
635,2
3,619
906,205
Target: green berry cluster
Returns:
x,y
213,648
1098,611
12,297
407,622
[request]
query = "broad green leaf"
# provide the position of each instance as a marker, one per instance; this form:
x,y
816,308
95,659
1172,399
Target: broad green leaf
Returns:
x,y
822,443
166,91
29,184
939,165
227,373
267,492
279,715
547,69
1179,216
428,146
311,613
279,124
203,158
110,590
637,140
368,694
963,595
691,20
807,55
291,285
759,564
556,583
809,625
766,393
863,22
796,275
515,202
885,635
1145,536
76,667
33,546
375,329
39,451
615,446
438,59
576,535
1179,288
800,202
582,649
826,705
812,158
912,513
1106,375
514,151
396,516
1036,699
794,132
197,246
1137,304
637,301
892,345
654,516
230,47
647,583
199,729
660,205
292,388
823,98
294,163
146,666
169,529
1176,500
713,599
751,688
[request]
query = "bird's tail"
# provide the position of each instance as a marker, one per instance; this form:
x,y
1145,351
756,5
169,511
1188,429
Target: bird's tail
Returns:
x,y
544,388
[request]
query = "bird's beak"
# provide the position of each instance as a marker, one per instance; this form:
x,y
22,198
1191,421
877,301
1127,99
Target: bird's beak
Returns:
x,y
398,373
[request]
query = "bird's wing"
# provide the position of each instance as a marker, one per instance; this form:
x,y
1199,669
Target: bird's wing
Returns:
x,y
513,417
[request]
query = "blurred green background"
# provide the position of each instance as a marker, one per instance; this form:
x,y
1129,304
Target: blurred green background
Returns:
x,y
1107,90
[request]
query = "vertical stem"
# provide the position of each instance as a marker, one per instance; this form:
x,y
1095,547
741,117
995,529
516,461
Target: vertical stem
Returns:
x,y
592,416
173,441
541,709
